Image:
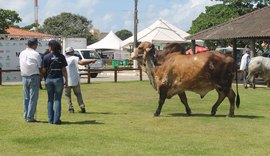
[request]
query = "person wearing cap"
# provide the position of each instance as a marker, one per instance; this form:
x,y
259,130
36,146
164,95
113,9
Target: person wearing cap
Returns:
x,y
244,65
30,66
74,79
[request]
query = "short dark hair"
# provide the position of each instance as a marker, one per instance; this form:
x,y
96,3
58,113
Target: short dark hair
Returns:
x,y
32,41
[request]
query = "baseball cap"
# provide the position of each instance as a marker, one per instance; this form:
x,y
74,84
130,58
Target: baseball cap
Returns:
x,y
247,49
69,49
32,41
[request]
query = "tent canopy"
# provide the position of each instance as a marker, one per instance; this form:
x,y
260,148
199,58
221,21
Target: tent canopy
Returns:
x,y
159,32
111,41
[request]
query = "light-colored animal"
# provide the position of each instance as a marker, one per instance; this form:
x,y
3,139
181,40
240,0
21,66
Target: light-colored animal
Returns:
x,y
259,66
200,73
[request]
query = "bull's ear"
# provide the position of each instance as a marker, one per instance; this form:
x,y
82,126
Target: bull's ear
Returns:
x,y
132,55
151,46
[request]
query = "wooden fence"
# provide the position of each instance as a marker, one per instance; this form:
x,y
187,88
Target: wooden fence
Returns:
x,y
88,73
2,71
110,69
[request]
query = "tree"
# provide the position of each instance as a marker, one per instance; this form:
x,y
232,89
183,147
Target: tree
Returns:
x,y
258,3
29,27
7,19
123,34
68,25
221,13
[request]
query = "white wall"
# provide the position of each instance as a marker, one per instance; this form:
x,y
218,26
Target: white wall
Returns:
x,y
9,57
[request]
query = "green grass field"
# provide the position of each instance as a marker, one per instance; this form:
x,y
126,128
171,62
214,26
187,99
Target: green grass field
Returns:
x,y
119,121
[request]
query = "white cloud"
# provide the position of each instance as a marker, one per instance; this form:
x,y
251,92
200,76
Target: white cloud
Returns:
x,y
48,8
23,8
104,22
180,15
15,4
54,7
86,4
128,24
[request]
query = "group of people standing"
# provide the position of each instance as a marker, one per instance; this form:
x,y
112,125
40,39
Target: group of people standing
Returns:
x,y
60,72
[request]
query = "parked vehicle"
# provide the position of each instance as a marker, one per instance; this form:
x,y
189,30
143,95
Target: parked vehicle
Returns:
x,y
229,51
85,54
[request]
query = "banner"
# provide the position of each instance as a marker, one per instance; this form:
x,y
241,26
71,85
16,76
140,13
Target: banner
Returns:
x,y
9,57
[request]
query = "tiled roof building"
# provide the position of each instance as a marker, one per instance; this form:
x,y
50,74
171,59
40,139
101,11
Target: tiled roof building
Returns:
x,y
21,33
252,25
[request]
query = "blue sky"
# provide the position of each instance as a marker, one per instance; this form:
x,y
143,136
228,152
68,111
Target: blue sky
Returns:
x,y
113,15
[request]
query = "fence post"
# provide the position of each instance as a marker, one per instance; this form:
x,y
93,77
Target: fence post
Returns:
x,y
115,74
0,76
88,75
140,74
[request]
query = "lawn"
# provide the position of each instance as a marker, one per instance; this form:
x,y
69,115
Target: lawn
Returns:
x,y
119,121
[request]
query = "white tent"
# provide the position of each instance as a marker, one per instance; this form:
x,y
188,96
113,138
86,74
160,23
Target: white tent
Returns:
x,y
111,42
160,32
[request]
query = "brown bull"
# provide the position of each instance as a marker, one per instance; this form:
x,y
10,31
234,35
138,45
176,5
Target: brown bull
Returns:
x,y
200,73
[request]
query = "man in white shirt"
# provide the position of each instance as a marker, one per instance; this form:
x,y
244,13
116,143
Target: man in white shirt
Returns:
x,y
74,79
244,65
30,66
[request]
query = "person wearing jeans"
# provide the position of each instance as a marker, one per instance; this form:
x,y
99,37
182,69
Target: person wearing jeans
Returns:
x,y
30,66
55,89
30,92
54,66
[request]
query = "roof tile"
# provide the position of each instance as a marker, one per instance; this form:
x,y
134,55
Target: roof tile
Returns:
x,y
21,33
251,25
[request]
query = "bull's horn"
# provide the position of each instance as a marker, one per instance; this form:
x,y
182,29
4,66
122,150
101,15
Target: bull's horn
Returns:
x,y
148,49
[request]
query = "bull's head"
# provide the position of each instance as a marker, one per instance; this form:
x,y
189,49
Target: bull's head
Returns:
x,y
142,52
145,55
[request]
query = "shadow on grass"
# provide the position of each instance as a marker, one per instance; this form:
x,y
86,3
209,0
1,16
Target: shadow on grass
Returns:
x,y
258,87
86,122
105,113
208,115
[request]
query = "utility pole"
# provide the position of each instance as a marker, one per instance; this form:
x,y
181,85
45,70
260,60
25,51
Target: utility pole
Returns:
x,y
36,15
135,63
135,23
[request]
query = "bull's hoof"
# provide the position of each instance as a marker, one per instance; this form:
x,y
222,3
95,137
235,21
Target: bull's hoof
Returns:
x,y
156,114
213,113
230,115
188,112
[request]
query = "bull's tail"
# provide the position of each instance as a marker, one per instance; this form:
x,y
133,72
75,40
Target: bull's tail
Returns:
x,y
237,100
237,93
